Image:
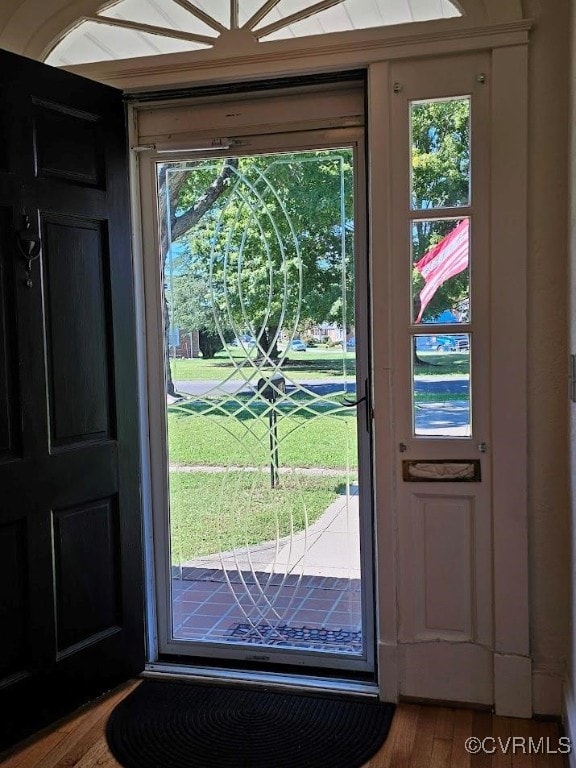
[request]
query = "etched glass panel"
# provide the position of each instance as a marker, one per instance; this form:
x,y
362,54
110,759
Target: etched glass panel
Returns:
x,y
441,271
263,467
440,147
441,389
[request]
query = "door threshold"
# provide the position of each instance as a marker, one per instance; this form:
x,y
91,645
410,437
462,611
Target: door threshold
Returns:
x,y
275,680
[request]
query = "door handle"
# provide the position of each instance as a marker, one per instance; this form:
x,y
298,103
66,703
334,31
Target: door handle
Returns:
x,y
347,403
28,245
365,398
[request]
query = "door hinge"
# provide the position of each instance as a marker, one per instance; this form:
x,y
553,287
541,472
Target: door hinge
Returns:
x,y
143,148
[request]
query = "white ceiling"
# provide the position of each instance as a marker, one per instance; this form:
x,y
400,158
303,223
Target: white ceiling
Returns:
x,y
176,27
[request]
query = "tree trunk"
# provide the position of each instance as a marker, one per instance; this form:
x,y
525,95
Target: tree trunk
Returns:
x,y
273,343
210,344
170,389
270,349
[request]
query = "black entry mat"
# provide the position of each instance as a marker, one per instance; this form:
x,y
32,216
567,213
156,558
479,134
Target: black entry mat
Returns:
x,y
184,725
285,634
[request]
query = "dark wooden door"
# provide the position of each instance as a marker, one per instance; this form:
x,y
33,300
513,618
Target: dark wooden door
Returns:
x,y
71,604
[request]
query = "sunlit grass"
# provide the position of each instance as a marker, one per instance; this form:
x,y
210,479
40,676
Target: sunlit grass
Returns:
x,y
442,364
312,364
221,440
217,512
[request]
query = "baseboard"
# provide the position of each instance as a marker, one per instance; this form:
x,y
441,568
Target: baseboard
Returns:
x,y
444,671
547,692
512,685
388,680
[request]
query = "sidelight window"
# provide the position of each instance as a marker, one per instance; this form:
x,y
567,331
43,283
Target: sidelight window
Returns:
x,y
440,267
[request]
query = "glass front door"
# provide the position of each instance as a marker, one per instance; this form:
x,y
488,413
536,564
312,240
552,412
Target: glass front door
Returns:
x,y
267,552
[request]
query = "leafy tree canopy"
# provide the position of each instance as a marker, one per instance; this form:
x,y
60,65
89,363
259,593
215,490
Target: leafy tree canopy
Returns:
x,y
266,242
274,249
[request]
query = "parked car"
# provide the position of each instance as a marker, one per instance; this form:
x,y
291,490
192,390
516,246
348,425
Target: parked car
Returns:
x,y
244,340
458,342
296,345
350,343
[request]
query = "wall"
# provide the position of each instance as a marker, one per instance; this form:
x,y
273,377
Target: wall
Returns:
x,y
547,350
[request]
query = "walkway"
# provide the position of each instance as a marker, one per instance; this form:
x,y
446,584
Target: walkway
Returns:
x,y
329,547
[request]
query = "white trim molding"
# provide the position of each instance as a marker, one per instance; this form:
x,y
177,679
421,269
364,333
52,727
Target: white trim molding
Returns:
x,y
323,53
34,30
548,680
509,221
512,685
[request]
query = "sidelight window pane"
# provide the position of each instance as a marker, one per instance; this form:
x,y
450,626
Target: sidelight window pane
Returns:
x,y
441,271
440,147
441,393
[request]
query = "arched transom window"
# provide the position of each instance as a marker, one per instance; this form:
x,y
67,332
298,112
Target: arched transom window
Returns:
x,y
131,28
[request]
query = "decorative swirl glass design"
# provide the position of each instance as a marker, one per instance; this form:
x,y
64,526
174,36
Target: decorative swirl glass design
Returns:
x,y
262,451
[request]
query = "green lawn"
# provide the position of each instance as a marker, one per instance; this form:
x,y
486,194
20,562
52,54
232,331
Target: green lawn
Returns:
x,y
449,366
312,364
442,364
213,512
217,512
440,397
226,440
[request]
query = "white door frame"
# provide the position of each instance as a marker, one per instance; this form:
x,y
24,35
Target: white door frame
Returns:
x,y
343,106
507,50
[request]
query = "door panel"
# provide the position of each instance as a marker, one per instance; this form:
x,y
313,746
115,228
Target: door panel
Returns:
x,y
441,380
83,612
265,490
69,144
76,285
71,605
256,568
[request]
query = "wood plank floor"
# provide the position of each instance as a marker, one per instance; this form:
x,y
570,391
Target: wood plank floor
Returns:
x,y
420,737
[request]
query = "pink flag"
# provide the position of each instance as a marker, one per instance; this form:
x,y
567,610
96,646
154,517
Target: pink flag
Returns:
x,y
446,259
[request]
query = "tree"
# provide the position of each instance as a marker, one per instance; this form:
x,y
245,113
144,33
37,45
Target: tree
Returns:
x,y
440,179
266,242
190,299
273,250
178,213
